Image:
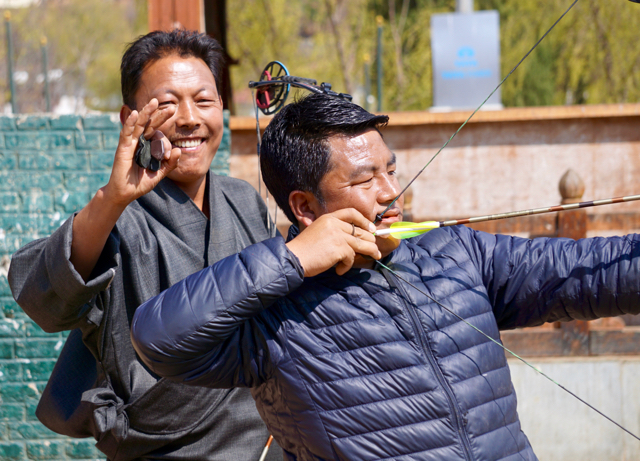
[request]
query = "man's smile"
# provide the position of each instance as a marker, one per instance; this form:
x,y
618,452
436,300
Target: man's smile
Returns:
x,y
187,143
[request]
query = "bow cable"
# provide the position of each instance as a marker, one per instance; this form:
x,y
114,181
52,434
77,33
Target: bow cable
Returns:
x,y
506,349
379,216
271,226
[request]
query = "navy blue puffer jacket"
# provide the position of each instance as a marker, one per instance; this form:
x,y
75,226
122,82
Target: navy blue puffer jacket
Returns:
x,y
365,367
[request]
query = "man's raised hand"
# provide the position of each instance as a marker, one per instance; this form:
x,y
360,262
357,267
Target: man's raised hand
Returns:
x,y
128,181
335,239
93,224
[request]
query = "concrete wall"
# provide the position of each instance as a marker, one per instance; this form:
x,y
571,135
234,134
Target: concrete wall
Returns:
x,y
560,428
49,168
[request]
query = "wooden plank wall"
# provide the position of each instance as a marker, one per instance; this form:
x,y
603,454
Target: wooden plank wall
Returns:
x,y
508,160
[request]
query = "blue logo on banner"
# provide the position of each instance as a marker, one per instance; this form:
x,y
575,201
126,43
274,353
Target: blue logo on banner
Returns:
x,y
466,65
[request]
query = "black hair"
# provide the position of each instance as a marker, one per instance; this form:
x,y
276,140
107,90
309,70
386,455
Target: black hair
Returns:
x,y
160,44
295,151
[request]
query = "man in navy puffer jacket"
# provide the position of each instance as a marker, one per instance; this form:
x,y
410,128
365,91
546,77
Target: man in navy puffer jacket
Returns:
x,y
345,360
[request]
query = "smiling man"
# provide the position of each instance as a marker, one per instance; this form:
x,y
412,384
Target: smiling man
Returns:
x,y
356,362
140,234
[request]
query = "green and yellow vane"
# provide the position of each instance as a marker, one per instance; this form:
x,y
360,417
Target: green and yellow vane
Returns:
x,y
406,230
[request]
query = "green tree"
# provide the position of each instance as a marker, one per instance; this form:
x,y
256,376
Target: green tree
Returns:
x,y
85,39
590,57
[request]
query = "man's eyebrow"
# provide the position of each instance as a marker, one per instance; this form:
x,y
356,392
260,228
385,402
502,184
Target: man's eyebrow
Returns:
x,y
370,167
363,169
175,93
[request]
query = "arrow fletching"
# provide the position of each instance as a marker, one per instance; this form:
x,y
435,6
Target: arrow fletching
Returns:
x,y
407,230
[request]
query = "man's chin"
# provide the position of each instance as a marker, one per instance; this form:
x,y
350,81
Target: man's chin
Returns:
x,y
187,174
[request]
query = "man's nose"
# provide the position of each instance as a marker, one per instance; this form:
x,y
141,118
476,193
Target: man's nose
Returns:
x,y
390,189
187,115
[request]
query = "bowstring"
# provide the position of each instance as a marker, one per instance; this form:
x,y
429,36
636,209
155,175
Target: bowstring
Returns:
x,y
379,216
270,229
540,372
442,306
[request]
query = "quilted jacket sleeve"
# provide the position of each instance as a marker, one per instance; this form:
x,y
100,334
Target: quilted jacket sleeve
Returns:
x,y
206,329
532,281
47,287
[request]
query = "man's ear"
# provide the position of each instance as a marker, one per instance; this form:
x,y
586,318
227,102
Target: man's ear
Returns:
x,y
305,207
125,111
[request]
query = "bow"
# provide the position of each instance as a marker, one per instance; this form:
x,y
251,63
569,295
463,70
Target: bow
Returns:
x,y
272,92
275,83
407,230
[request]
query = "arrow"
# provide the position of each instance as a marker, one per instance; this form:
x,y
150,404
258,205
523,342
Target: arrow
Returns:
x,y
405,230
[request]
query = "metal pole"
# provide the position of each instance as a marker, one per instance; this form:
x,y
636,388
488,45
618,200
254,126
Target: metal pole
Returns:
x,y
380,21
45,72
367,80
464,6
12,86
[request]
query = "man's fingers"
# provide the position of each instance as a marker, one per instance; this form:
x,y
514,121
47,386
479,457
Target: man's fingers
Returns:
x,y
129,125
171,162
361,234
345,264
364,247
144,118
157,118
351,215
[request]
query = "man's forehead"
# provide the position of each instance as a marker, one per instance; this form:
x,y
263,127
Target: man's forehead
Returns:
x,y
366,151
169,72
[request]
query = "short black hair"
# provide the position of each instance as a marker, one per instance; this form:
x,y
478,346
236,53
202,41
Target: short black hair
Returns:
x,y
160,44
295,151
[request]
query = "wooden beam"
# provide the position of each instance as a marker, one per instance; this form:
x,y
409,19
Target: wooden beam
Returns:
x,y
172,14
615,342
567,342
516,114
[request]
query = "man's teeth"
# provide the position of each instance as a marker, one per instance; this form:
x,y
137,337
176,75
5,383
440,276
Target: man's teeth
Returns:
x,y
188,143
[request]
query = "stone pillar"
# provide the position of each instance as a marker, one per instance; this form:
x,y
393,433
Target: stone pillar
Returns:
x,y
573,224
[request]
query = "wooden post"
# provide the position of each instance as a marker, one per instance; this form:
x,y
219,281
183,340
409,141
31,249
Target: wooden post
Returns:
x,y
172,14
573,224
215,23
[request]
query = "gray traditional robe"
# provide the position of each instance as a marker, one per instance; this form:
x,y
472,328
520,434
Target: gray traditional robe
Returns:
x,y
159,240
